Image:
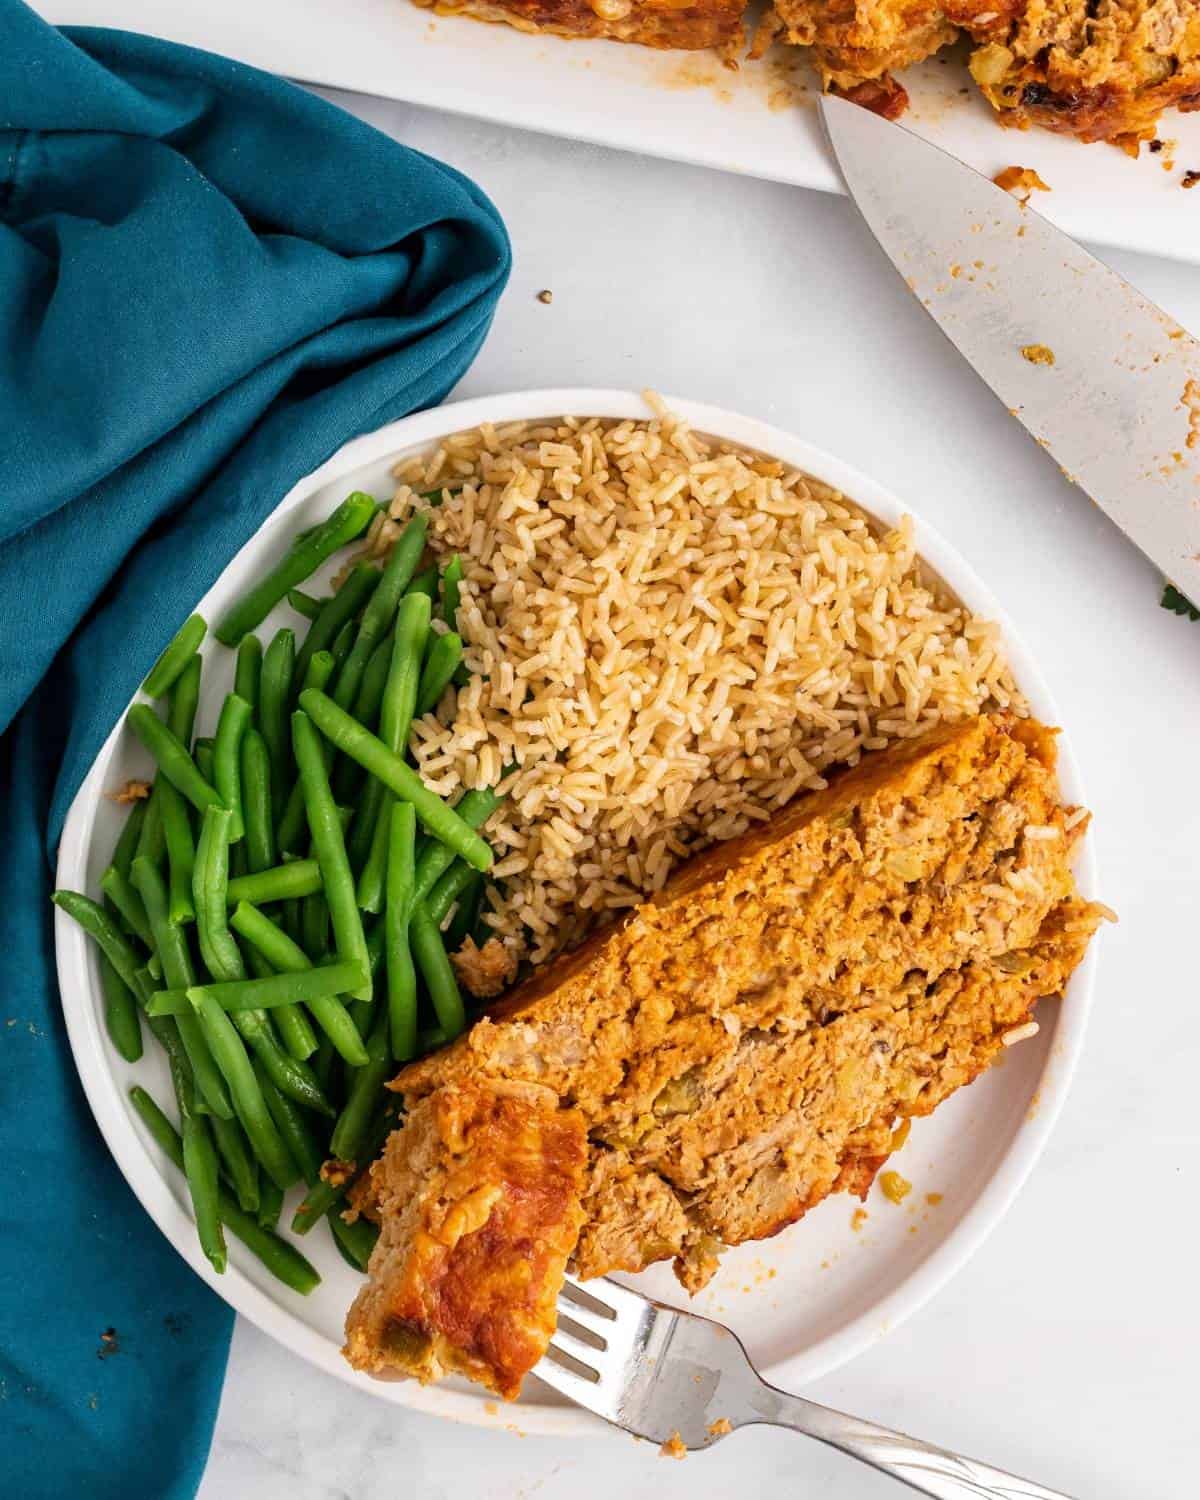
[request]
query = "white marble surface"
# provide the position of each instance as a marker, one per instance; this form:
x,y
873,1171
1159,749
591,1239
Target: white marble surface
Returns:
x,y
1066,1348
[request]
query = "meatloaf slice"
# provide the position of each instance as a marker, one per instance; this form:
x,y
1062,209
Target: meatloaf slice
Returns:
x,y
744,1043
688,24
478,1195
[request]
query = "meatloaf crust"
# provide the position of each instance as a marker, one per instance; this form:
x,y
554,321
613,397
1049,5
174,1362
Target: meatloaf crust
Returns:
x,y
746,1041
478,1196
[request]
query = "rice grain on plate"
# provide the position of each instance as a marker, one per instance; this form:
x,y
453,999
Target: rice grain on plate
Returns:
x,y
670,638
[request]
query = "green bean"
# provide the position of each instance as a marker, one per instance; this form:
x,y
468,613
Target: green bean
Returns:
x,y
359,584
355,1241
323,1059
185,700
436,970
449,889
151,842
247,677
231,1057
235,718
256,800
127,903
353,1124
292,1076
210,882
120,1012
203,756
327,1194
304,604
291,1021
300,877
381,608
346,522
279,950
452,576
295,988
395,721
347,774
290,837
239,1168
444,656
401,975
435,815
181,851
319,670
281,1259
270,1203
430,1038
97,923
325,825
474,808
465,917
172,756
128,840
274,702
426,582
292,1127
178,653
201,1171
171,944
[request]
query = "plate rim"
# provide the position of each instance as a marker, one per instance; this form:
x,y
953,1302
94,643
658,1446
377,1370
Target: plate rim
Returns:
x,y
140,1162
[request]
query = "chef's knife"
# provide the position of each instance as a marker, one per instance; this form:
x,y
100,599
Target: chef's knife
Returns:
x,y
1103,379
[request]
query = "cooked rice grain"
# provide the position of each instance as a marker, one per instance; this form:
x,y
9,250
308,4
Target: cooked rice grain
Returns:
x,y
670,638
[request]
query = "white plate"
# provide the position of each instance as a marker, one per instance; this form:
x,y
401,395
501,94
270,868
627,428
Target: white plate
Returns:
x,y
804,1301
759,120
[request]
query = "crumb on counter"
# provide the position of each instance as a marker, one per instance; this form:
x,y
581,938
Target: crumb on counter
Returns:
x,y
720,1428
895,1188
858,1218
132,791
1191,399
1190,178
1021,182
545,295
674,1447
1037,354
933,1199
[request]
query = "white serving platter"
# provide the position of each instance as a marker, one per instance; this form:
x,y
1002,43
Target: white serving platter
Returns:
x,y
803,1302
686,106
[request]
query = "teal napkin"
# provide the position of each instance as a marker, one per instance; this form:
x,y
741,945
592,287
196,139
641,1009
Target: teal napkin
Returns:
x,y
209,281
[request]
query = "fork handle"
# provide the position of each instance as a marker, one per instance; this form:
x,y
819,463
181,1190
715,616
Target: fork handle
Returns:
x,y
922,1466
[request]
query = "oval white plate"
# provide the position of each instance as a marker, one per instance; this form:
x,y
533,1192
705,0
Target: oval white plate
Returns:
x,y
803,1302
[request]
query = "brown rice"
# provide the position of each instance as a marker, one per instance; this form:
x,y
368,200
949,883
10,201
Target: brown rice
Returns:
x,y
670,638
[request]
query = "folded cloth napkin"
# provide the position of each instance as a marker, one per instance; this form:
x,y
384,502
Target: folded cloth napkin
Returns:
x,y
209,280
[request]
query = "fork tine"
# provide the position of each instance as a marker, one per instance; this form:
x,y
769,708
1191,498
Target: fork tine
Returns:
x,y
571,1331
615,1301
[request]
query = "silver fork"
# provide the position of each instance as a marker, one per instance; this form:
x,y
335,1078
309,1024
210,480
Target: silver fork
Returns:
x,y
658,1373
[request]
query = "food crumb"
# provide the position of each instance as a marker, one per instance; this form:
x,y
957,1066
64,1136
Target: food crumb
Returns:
x,y
933,1199
1037,354
1191,399
1016,1034
545,295
1021,182
674,1447
1190,178
492,1408
336,1173
895,1188
858,1218
720,1428
132,791
110,1344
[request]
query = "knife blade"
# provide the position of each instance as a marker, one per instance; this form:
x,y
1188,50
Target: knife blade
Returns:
x,y
1103,379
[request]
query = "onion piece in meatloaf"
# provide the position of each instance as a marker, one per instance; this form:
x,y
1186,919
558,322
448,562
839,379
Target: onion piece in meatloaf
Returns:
x,y
747,1040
